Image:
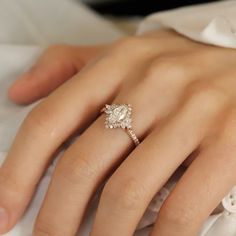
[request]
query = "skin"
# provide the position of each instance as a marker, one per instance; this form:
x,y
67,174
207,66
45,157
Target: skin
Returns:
x,y
58,64
183,98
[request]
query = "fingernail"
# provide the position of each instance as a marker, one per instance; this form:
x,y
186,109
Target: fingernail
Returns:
x,y
3,219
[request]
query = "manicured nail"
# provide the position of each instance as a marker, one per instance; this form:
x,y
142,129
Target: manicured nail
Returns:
x,y
3,219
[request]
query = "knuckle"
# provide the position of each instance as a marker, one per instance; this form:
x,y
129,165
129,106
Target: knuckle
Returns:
x,y
176,215
126,193
204,55
131,44
129,41
206,95
44,228
41,119
40,231
78,169
165,66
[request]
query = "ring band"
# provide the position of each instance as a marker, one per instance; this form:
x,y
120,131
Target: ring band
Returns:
x,y
119,116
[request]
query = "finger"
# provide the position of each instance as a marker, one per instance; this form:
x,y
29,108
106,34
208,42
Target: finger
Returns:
x,y
58,64
208,179
131,188
84,167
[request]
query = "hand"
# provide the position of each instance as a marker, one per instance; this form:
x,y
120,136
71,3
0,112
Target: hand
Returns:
x,y
183,99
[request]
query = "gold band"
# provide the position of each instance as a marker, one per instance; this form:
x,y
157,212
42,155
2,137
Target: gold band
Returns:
x,y
133,136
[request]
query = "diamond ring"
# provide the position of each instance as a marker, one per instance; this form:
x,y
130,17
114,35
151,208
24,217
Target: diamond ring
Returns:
x,y
119,116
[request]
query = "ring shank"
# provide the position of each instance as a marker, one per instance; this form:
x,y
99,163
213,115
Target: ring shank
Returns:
x,y
133,136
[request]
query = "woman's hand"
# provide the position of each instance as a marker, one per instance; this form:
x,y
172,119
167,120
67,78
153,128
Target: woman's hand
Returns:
x,y
183,99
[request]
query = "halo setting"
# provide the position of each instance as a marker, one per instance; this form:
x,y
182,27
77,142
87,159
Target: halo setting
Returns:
x,y
119,116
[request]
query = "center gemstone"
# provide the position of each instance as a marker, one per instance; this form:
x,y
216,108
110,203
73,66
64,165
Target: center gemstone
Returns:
x,y
118,115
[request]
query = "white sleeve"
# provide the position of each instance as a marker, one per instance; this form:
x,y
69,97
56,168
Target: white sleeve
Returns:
x,y
212,23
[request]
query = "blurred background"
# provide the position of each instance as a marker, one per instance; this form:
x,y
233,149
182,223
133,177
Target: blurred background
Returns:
x,y
126,14
138,7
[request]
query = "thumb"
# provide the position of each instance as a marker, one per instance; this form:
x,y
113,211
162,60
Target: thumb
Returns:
x,y
58,64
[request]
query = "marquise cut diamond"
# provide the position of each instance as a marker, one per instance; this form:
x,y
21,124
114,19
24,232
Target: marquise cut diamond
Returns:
x,y
118,116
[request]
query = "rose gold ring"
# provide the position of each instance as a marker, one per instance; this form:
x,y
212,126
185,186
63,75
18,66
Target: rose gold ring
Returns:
x,y
119,116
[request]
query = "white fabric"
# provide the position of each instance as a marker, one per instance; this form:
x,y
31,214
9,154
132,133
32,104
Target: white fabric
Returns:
x,y
27,26
213,23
